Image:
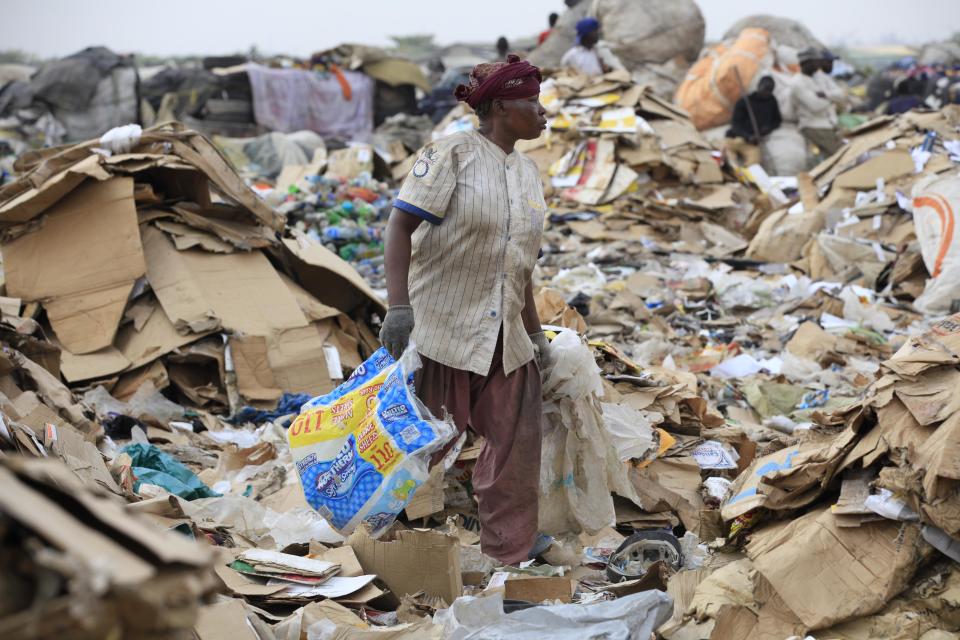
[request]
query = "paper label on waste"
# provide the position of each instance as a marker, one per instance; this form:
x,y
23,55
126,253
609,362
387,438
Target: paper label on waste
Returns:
x,y
362,450
713,455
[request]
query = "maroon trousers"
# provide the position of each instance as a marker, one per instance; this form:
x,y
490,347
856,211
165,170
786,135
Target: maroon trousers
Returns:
x,y
506,411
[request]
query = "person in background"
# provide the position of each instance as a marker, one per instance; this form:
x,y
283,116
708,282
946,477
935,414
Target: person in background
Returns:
x,y
742,143
904,98
503,48
815,112
552,21
590,56
824,79
461,244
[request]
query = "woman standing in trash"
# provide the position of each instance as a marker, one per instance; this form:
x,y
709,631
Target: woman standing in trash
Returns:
x,y
461,244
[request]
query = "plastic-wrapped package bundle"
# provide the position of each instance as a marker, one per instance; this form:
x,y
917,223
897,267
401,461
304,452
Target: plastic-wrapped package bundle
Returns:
x,y
363,449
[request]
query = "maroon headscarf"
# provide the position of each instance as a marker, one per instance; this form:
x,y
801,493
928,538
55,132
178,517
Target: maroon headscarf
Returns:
x,y
514,79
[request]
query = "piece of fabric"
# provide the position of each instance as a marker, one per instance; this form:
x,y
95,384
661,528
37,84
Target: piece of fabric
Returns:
x,y
826,140
514,79
288,404
153,466
902,104
543,36
744,154
813,112
470,265
506,411
766,110
289,100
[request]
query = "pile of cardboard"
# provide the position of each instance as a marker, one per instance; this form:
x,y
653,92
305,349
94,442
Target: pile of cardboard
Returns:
x,y
768,313
853,529
158,264
79,565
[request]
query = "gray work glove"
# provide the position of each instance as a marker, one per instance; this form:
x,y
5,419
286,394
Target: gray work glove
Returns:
x,y
541,350
396,329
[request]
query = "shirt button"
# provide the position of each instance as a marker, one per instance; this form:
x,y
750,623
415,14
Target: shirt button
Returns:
x,y
493,314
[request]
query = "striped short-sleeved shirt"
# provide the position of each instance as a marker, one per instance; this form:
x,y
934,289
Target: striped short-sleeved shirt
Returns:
x,y
471,263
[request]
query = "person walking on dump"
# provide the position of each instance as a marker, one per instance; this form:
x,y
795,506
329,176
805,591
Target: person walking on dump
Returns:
x,y
461,244
815,112
742,142
590,56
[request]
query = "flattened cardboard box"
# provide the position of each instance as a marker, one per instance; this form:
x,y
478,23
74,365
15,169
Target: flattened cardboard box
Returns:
x,y
854,572
414,561
202,291
81,263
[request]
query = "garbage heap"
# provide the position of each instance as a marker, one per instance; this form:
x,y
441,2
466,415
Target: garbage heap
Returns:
x,y
852,530
154,266
810,355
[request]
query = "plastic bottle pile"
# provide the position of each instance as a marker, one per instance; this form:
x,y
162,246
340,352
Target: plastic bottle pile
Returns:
x,y
347,216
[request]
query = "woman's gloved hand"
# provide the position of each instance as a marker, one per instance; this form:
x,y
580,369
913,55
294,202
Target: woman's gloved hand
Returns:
x,y
396,329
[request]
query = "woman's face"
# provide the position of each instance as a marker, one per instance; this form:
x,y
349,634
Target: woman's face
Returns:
x,y
525,118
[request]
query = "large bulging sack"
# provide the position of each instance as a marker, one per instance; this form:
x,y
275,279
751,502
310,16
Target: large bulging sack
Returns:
x,y
935,202
715,83
638,31
781,30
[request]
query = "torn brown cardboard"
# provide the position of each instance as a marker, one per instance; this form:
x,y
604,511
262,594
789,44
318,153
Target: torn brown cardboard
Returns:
x,y
538,588
811,342
413,561
82,263
886,166
670,484
230,620
330,279
292,361
202,291
854,572
96,364
155,338
428,498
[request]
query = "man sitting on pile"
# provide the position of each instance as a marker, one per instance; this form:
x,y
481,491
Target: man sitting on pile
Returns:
x,y
590,56
742,142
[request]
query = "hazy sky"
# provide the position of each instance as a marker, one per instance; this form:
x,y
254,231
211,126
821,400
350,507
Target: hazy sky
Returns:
x,y
299,27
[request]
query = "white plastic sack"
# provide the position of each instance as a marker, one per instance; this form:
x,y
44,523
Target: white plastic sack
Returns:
x,y
574,494
632,617
935,202
784,151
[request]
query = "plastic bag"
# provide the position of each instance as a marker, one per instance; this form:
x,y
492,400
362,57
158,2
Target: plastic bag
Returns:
x,y
574,487
631,431
150,465
631,617
363,449
935,201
